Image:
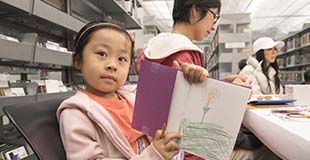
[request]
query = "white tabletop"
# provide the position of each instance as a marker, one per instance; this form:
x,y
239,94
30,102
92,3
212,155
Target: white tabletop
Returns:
x,y
288,138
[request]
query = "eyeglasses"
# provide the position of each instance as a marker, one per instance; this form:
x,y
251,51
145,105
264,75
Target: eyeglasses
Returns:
x,y
216,17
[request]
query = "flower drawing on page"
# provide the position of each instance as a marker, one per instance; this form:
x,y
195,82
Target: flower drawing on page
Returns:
x,y
210,96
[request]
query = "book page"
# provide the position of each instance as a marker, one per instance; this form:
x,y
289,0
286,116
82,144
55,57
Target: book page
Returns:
x,y
208,116
52,86
16,91
177,107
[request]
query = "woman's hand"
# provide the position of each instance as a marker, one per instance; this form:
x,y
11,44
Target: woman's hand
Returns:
x,y
233,77
166,143
192,73
238,79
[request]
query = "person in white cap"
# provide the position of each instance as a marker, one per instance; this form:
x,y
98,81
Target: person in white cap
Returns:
x,y
263,70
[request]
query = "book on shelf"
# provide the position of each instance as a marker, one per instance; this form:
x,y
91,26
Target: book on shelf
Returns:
x,y
4,84
52,86
206,115
13,152
290,45
292,76
305,58
62,87
297,42
12,92
305,39
9,38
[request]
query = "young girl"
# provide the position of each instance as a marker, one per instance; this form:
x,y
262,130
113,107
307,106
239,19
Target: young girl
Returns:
x,y
263,70
95,123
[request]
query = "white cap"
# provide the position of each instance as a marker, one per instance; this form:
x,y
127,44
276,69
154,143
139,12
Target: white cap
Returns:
x,y
266,43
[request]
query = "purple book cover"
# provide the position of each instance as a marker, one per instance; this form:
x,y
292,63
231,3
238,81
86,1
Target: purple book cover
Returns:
x,y
153,97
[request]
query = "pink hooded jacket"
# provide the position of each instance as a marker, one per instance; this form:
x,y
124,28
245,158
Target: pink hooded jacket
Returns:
x,y
89,132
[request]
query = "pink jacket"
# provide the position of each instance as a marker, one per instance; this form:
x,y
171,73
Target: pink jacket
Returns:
x,y
89,132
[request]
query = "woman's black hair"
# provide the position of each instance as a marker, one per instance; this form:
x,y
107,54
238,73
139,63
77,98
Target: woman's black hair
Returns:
x,y
242,64
181,8
260,57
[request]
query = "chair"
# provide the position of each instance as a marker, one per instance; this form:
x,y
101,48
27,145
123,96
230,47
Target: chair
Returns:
x,y
38,124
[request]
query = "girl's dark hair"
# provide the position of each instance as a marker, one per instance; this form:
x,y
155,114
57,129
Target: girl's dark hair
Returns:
x,y
260,57
83,37
181,8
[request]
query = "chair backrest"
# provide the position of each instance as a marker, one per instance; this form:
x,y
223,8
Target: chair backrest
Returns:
x,y
38,124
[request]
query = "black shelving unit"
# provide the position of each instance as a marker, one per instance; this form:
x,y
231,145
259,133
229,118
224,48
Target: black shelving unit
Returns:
x,y
294,59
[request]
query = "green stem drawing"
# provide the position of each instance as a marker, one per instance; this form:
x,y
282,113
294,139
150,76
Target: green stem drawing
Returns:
x,y
205,110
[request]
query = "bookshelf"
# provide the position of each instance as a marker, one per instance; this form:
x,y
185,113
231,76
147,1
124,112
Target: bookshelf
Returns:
x,y
294,58
212,56
231,43
33,23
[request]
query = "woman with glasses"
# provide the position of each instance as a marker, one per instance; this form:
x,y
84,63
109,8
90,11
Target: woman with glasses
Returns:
x,y
192,21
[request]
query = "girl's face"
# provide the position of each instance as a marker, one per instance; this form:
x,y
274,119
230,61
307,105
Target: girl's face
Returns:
x,y
106,61
202,28
270,55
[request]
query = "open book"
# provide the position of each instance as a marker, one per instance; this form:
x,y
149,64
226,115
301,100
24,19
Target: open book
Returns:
x,y
270,99
207,115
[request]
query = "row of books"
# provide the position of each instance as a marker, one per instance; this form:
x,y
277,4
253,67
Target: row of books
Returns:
x,y
298,41
292,76
10,88
212,57
214,43
10,92
214,74
49,44
53,46
9,38
295,59
212,62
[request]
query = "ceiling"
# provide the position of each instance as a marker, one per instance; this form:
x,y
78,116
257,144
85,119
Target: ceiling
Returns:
x,y
276,19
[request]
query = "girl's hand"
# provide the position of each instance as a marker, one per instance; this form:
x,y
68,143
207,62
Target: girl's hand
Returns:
x,y
166,143
192,73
